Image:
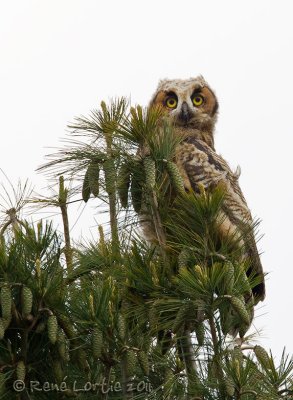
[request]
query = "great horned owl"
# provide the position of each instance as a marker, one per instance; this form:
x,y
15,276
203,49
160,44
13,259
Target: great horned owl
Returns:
x,y
193,107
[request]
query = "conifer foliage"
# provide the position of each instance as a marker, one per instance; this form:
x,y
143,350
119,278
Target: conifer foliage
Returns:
x,y
130,315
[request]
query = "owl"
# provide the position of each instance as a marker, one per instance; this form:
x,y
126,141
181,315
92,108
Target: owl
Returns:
x,y
193,107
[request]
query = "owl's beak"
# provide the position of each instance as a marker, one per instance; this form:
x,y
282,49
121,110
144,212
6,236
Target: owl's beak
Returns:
x,y
184,115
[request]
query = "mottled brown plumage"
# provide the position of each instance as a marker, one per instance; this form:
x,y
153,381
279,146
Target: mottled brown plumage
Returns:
x,y
193,107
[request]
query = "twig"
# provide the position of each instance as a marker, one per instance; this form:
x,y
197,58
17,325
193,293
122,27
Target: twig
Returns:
x,y
63,207
215,341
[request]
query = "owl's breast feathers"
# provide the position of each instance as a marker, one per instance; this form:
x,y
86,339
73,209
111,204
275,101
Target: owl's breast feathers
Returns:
x,y
199,165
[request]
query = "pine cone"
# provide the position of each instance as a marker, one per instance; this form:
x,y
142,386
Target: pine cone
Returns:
x,y
123,182
86,190
150,172
136,191
97,342
6,302
239,307
20,371
62,345
52,325
26,300
58,371
131,362
93,178
175,177
229,277
262,356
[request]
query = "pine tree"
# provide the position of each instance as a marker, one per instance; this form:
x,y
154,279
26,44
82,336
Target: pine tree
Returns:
x,y
120,317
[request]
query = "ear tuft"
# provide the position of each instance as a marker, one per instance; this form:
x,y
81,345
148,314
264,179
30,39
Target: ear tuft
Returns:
x,y
201,80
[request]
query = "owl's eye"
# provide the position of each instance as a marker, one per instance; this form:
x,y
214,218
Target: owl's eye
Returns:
x,y
171,102
197,100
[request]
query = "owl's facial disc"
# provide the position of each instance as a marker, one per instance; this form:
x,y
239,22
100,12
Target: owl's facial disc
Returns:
x,y
184,108
189,105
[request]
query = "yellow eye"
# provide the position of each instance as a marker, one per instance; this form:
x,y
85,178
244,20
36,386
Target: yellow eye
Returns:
x,y
171,102
197,100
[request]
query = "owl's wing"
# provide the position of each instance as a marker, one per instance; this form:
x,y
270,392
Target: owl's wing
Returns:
x,y
202,165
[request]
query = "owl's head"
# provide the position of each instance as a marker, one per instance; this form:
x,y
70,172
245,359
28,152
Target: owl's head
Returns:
x,y
190,103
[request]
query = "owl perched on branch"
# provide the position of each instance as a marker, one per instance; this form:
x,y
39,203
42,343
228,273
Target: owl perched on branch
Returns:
x,y
193,107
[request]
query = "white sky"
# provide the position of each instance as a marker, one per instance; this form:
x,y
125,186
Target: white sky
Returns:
x,y
59,59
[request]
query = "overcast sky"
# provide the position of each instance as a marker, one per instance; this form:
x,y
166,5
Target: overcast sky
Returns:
x,y
59,59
